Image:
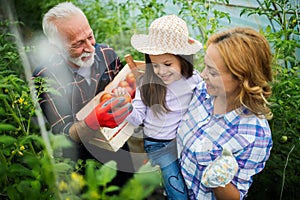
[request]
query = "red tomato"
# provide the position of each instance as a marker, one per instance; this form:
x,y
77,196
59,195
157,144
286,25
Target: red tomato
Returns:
x,y
129,89
130,78
123,83
105,96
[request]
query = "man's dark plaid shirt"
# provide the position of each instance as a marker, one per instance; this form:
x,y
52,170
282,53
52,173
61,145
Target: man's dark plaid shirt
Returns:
x,y
70,91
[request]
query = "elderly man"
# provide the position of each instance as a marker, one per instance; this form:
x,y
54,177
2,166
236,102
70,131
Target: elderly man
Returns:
x,y
77,70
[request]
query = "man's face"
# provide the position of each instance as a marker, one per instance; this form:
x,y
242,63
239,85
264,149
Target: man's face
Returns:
x,y
78,40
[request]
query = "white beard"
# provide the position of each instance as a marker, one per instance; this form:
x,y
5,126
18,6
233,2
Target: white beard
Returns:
x,y
78,61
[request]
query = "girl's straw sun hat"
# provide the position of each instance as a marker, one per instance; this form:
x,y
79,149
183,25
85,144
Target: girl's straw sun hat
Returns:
x,y
168,34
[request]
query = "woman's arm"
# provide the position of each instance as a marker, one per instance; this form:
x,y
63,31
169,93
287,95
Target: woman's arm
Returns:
x,y
229,192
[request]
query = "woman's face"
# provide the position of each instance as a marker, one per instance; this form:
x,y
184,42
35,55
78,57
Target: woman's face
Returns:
x,y
166,67
219,80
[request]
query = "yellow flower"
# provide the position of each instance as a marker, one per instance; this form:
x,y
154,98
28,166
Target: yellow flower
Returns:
x,y
21,100
94,195
294,21
74,176
63,186
22,148
78,179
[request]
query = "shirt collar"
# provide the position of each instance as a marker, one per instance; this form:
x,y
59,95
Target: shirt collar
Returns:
x,y
231,117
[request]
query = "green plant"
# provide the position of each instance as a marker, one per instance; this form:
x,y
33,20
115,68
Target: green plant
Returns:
x,y
25,170
143,184
283,34
205,18
28,170
113,23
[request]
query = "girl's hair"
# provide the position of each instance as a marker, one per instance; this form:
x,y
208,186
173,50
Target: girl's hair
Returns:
x,y
52,17
153,90
247,55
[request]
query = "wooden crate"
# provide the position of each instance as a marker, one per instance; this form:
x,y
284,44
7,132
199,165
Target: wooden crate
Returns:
x,y
111,138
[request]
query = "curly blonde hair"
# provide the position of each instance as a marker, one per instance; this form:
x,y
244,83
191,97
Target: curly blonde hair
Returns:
x,y
247,55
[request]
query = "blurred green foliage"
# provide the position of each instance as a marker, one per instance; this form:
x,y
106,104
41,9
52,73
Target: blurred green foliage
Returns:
x,y
23,157
281,177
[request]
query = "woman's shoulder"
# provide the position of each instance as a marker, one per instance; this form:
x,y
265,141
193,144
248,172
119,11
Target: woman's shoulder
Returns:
x,y
196,76
250,124
194,80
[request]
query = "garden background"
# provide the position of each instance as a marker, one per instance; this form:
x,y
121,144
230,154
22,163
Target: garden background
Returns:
x,y
29,168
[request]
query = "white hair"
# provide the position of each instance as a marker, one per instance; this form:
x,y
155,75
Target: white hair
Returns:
x,y
60,11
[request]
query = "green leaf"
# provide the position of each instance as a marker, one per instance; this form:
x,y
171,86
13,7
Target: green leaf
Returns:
x,y
5,86
29,138
107,172
59,141
20,170
12,193
4,96
7,127
8,140
143,183
3,171
62,167
112,188
29,188
268,29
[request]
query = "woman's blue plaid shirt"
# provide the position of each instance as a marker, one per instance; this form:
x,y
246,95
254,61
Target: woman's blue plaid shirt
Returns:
x,y
202,137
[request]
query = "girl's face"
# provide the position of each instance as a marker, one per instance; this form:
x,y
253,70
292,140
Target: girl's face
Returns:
x,y
219,80
166,67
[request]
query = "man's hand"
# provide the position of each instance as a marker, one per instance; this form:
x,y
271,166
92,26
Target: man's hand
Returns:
x,y
109,113
80,132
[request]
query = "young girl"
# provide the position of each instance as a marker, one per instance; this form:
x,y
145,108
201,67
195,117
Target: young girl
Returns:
x,y
164,93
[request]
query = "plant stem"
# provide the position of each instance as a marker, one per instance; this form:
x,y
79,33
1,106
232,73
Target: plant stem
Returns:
x,y
13,114
4,162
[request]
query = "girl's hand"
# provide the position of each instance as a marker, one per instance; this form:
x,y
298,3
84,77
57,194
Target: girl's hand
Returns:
x,y
120,91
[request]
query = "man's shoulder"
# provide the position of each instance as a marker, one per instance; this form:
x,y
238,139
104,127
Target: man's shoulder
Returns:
x,y
51,70
106,55
103,48
52,65
101,45
104,51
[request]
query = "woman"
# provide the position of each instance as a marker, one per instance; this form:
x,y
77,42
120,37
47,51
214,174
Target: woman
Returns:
x,y
228,112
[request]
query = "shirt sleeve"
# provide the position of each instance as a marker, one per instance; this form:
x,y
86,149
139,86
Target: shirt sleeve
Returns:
x,y
252,159
138,113
52,98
